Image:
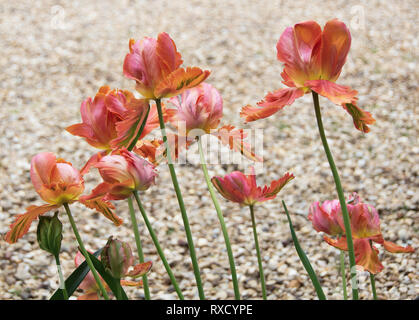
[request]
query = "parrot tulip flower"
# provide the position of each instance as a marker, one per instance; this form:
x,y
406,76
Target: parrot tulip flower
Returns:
x,y
91,289
122,172
154,64
199,111
112,120
313,59
57,182
241,188
365,227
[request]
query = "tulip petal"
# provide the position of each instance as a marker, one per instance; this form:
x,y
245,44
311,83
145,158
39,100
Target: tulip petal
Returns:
x,y
140,269
169,58
277,185
89,296
339,243
42,166
102,206
392,247
234,138
366,256
273,102
360,117
148,149
23,221
335,45
92,162
180,80
128,283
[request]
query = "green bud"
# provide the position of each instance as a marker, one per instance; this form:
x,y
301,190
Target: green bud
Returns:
x,y
117,257
49,234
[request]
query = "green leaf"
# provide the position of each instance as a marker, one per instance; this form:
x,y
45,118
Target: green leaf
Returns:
x,y
304,259
114,284
74,280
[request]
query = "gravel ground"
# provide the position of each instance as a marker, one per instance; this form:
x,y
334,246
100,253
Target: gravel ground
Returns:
x,y
55,54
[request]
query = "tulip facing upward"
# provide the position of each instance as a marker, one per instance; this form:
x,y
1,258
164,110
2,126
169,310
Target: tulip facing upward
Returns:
x,y
57,182
365,227
238,187
122,172
313,60
154,64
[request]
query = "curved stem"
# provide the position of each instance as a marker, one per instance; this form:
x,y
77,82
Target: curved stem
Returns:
x,y
84,252
134,142
222,223
181,204
157,245
343,274
60,275
374,292
255,235
139,246
341,196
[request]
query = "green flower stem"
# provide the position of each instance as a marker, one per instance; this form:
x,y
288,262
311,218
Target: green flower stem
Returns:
x,y
60,275
134,142
222,223
374,292
341,196
262,277
139,246
157,245
181,204
84,252
343,274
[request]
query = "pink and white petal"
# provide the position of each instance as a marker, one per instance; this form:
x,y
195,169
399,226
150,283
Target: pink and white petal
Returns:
x,y
23,221
42,166
273,102
234,139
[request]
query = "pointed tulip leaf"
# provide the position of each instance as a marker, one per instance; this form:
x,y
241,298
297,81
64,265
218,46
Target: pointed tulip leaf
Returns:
x,y
304,259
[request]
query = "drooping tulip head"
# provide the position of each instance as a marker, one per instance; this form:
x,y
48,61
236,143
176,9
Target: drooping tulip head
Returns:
x,y
55,180
154,64
325,217
123,172
198,108
241,188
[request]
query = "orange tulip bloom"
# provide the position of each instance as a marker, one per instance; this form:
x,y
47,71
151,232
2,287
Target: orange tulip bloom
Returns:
x,y
57,182
112,120
313,60
154,64
365,227
238,187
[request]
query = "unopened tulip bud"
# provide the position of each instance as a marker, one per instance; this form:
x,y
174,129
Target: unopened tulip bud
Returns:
x,y
117,257
50,234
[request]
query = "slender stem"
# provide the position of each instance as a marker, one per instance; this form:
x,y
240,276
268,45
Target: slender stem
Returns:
x,y
60,275
343,274
341,196
262,277
157,245
134,142
222,223
139,246
181,204
84,252
374,292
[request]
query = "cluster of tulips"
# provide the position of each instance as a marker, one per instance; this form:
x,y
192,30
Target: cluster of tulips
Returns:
x,y
117,123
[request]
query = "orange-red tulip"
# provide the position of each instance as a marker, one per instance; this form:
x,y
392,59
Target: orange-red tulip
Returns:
x,y
154,64
365,227
313,59
57,182
241,188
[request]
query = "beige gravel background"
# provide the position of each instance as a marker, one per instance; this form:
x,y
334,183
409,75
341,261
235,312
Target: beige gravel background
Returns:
x,y
54,54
